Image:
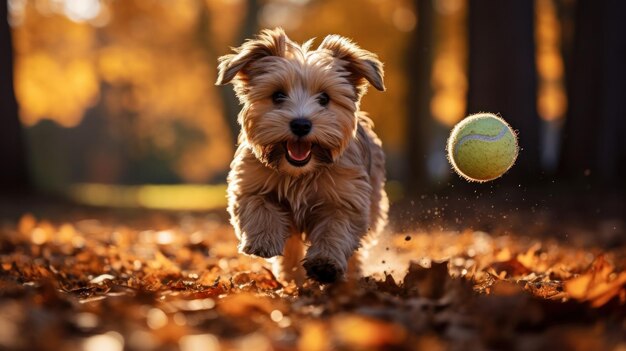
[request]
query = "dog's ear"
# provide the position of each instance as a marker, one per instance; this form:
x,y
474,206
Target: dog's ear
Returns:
x,y
270,42
361,64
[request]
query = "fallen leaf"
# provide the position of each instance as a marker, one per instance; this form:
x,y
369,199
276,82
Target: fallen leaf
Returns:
x,y
598,285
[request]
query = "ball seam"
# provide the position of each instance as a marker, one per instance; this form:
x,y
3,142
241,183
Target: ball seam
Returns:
x,y
481,137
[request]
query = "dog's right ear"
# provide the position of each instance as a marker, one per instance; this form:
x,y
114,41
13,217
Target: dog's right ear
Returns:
x,y
270,42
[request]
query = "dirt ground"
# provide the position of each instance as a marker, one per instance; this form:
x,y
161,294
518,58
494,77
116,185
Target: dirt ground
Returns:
x,y
490,271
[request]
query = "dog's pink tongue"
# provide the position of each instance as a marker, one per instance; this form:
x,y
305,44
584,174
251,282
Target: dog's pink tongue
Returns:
x,y
298,150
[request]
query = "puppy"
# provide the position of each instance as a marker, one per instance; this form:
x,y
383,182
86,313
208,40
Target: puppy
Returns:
x,y
309,170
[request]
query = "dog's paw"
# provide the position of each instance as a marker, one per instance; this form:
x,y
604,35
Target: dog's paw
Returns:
x,y
323,270
256,248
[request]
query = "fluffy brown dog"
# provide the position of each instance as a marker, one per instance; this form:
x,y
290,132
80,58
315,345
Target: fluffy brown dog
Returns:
x,y
308,166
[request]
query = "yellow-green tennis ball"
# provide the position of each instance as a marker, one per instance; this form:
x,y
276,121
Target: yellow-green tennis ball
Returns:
x,y
482,147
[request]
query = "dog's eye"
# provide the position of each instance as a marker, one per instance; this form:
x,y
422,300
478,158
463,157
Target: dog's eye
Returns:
x,y
279,97
323,99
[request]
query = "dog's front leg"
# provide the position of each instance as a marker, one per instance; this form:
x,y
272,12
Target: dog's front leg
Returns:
x,y
334,237
261,225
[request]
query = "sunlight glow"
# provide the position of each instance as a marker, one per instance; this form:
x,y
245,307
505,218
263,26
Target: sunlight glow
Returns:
x,y
16,12
286,15
111,341
206,342
551,96
156,318
404,19
163,197
81,10
449,74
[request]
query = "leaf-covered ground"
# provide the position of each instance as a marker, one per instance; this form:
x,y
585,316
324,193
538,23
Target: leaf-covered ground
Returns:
x,y
101,280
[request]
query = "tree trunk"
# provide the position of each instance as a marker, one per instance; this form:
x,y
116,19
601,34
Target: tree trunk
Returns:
x,y
593,137
502,76
230,103
13,174
419,62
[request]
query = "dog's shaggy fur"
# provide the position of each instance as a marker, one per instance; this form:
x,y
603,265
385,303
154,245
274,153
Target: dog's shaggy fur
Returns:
x,y
319,182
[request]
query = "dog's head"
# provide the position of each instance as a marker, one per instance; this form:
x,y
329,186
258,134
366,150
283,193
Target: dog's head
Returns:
x,y
299,104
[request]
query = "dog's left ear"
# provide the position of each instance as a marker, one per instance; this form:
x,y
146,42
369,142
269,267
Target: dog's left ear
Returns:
x,y
362,64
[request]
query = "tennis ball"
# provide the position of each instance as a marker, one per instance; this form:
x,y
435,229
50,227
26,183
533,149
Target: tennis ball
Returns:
x,y
482,147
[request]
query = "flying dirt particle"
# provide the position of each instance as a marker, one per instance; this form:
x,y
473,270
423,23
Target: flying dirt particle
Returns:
x,y
407,238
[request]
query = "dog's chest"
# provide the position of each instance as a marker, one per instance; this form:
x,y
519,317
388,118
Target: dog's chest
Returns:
x,y
302,198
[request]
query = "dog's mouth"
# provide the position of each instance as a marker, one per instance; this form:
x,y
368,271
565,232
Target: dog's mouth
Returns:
x,y
298,152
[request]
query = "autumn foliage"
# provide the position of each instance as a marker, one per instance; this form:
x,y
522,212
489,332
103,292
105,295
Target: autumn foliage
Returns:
x,y
160,280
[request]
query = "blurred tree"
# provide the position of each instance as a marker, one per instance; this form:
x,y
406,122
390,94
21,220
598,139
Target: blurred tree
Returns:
x,y
420,123
593,135
12,156
566,14
247,29
136,68
502,77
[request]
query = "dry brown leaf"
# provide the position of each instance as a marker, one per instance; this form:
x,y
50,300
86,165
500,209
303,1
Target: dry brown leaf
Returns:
x,y
529,258
505,288
427,282
512,268
242,304
360,332
314,337
598,285
263,280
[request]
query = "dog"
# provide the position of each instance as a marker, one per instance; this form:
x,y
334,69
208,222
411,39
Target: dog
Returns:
x,y
309,171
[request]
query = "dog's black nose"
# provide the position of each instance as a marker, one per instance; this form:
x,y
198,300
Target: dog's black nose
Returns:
x,y
300,126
